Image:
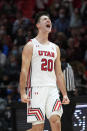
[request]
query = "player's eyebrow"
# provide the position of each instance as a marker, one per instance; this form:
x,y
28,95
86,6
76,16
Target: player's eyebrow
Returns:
x,y
45,18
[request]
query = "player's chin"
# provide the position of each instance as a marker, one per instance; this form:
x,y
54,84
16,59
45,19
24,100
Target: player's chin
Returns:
x,y
48,30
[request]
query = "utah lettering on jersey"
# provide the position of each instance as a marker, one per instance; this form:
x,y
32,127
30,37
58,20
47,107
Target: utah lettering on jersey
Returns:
x,y
46,53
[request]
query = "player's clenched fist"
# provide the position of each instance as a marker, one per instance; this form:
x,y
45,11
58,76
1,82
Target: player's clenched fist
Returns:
x,y
65,100
24,98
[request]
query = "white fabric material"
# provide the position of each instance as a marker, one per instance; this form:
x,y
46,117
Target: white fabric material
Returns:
x,y
42,64
45,99
69,78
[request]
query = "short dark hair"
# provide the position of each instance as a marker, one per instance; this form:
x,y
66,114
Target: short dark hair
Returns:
x,y
39,14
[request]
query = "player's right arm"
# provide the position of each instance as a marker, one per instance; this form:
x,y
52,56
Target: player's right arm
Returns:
x,y
26,60
60,78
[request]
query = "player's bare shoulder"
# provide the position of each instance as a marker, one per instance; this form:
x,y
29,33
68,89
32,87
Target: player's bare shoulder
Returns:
x,y
57,47
28,48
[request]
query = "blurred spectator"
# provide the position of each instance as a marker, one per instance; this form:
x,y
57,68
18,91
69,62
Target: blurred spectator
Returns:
x,y
12,68
53,36
73,47
6,44
6,23
68,74
5,116
1,3
74,32
2,59
84,12
75,16
70,49
65,3
9,7
2,34
20,39
61,40
85,45
20,22
62,23
80,77
5,38
3,105
77,3
5,41
42,4
77,48
2,29
14,51
30,34
4,81
53,10
85,57
70,87
11,93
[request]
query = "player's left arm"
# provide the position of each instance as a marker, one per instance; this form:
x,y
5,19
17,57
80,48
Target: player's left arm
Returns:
x,y
60,78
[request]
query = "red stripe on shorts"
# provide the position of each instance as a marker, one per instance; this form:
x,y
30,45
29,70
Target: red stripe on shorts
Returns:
x,y
37,111
58,103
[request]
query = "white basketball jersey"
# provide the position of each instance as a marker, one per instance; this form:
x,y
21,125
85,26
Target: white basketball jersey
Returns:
x,y
42,64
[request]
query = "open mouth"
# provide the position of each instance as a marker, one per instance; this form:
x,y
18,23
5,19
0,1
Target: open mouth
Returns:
x,y
48,26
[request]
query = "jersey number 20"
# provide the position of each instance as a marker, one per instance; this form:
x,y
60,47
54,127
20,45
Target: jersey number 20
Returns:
x,y
47,65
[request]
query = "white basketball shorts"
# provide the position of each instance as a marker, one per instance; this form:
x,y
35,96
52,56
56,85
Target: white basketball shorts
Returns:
x,y
44,101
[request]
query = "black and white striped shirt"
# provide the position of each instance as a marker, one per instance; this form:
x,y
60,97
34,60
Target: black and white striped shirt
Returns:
x,y
69,77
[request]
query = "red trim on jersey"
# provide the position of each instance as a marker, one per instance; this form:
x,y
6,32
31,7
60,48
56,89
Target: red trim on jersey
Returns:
x,y
28,84
29,80
30,40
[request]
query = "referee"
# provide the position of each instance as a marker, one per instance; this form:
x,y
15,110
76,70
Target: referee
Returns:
x,y
68,110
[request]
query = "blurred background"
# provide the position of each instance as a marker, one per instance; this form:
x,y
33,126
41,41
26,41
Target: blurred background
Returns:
x,y
69,32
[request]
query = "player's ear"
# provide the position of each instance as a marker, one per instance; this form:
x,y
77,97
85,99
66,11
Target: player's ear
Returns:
x,y
38,25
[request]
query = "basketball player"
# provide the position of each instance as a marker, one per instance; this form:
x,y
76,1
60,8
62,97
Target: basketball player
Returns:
x,y
41,58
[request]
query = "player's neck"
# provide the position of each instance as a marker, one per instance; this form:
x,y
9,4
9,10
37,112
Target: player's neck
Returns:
x,y
42,38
